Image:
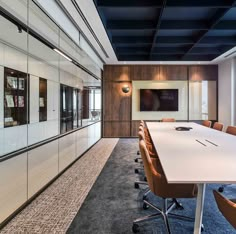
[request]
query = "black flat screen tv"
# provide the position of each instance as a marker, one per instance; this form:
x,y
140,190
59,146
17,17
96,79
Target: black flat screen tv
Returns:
x,y
159,100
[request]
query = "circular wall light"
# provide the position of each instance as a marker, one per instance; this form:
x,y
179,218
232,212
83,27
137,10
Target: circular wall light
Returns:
x,y
125,88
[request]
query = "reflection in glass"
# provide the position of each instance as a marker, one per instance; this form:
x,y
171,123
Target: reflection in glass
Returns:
x,y
70,108
202,100
76,108
91,104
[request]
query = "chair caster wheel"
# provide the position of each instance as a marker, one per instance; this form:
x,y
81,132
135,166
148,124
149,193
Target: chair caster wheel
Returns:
x,y
138,153
136,160
145,179
135,228
136,171
221,189
202,228
145,206
136,185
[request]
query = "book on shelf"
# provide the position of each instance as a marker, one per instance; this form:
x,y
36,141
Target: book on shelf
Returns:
x,y
21,84
11,82
10,101
21,101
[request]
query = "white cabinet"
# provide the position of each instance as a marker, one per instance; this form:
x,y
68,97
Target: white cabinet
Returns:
x,y
67,150
52,100
13,184
82,141
34,99
42,166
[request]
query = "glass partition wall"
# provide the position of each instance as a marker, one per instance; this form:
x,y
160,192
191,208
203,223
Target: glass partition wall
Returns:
x,y
91,110
203,100
40,89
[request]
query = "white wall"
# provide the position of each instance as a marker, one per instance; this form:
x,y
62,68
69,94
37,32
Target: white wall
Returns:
x,y
44,163
13,184
182,86
32,170
226,108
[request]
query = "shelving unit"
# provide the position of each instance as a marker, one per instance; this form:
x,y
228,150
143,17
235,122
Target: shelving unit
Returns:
x,y
42,99
15,98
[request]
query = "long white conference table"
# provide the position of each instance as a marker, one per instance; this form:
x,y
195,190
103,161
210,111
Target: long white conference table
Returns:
x,y
201,155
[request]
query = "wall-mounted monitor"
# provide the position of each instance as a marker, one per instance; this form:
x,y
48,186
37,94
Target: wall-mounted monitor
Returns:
x,y
159,100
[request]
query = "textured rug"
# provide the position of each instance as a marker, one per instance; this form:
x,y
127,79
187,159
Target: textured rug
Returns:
x,y
55,208
113,202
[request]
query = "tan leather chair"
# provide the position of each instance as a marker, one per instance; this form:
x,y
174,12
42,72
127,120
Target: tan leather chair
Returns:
x,y
138,153
206,123
231,130
227,207
168,120
159,187
218,126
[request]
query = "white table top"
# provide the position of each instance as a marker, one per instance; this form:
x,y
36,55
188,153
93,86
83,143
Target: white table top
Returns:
x,y
185,160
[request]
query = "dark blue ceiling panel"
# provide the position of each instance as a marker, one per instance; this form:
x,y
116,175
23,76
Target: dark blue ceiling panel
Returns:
x,y
231,14
169,30
173,32
130,13
187,13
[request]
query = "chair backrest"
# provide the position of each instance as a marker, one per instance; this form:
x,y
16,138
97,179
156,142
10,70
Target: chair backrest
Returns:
x,y
231,130
168,120
226,207
218,126
142,122
157,181
206,123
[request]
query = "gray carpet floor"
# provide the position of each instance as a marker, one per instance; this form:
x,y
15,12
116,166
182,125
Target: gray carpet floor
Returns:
x,y
113,203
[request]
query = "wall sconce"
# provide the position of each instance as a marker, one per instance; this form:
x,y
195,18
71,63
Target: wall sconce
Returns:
x,y
125,88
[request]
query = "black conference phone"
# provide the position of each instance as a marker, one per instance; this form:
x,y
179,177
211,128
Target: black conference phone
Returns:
x,y
183,128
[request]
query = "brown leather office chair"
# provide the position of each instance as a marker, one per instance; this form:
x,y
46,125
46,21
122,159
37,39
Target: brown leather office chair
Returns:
x,y
218,126
206,123
227,207
138,153
159,187
168,120
231,130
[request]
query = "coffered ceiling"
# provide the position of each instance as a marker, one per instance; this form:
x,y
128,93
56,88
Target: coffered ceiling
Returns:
x,y
169,30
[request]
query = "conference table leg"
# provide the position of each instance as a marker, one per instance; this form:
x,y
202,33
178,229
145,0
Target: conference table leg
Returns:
x,y
199,208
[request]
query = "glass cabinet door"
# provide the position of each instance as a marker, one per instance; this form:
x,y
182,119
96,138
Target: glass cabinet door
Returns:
x,y
42,99
15,98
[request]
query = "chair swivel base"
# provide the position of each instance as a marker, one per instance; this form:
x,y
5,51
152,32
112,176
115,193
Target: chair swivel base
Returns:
x,y
138,169
137,160
164,213
137,183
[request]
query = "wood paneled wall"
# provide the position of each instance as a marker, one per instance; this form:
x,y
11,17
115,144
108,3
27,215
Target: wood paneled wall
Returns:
x,y
117,106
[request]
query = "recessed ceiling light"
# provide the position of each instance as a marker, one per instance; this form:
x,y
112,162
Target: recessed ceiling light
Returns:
x,y
62,54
